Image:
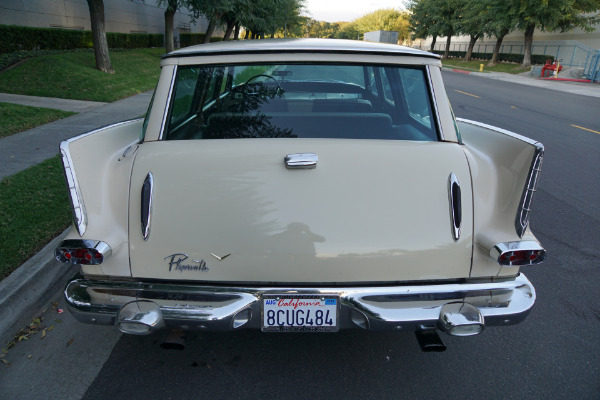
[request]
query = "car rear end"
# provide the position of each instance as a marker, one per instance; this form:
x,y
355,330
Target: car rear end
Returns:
x,y
304,186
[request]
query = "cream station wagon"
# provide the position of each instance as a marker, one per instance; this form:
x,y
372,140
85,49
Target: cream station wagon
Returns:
x,y
301,186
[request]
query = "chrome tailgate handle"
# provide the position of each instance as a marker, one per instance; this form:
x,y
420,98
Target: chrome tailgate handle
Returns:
x,y
301,160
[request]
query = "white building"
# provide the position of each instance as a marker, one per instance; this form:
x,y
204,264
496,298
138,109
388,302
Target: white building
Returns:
x,y
125,16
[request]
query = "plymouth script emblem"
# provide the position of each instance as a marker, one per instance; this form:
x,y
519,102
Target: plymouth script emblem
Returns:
x,y
176,263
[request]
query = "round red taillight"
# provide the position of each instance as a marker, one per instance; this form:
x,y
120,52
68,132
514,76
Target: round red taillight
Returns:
x,y
67,255
88,256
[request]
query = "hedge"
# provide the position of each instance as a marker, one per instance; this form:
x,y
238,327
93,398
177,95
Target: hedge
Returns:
x,y
14,38
190,39
515,58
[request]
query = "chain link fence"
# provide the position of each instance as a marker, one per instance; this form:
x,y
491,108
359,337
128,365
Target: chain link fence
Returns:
x,y
570,53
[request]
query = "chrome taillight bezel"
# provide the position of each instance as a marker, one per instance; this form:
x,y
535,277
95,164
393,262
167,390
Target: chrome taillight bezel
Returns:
x,y
99,251
527,252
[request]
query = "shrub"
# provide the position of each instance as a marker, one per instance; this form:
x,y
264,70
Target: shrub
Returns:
x,y
15,38
190,39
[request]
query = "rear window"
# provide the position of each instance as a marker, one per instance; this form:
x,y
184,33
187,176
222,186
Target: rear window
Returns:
x,y
301,101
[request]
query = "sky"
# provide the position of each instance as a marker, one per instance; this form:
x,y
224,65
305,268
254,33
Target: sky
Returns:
x,y
346,10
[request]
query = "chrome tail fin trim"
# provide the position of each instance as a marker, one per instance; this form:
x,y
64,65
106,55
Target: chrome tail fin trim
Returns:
x,y
454,198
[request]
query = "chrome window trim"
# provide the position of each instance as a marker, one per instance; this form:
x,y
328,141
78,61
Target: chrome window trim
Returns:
x,y
435,103
522,218
73,183
453,180
163,123
146,227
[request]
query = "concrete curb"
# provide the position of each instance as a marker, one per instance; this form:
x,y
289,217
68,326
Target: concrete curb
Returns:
x,y
24,293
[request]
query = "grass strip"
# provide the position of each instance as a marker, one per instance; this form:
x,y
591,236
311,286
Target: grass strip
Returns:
x,y
74,76
16,118
34,209
474,66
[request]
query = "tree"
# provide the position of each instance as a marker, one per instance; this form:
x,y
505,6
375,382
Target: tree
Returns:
x,y
347,30
499,24
99,36
435,18
171,9
475,18
552,15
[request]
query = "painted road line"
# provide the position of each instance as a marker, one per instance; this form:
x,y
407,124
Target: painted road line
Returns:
x,y
468,94
585,129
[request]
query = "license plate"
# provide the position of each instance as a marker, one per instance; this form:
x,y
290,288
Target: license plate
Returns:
x,y
300,313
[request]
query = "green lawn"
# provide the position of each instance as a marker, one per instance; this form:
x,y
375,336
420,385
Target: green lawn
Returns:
x,y
474,66
34,209
16,118
74,76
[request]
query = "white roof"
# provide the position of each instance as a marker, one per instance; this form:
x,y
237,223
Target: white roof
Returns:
x,y
298,45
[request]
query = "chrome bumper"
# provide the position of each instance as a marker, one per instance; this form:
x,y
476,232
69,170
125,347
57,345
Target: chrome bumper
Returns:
x,y
215,308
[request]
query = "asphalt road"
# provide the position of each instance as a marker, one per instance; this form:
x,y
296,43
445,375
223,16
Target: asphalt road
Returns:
x,y
555,353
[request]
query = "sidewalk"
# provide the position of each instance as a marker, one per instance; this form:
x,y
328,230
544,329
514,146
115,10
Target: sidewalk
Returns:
x,y
580,88
24,149
49,102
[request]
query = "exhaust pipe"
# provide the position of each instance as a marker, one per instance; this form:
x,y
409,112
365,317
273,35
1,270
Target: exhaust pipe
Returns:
x,y
430,341
174,340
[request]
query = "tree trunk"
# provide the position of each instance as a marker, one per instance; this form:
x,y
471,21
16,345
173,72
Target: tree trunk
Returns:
x,y
229,30
209,31
99,36
499,40
169,17
447,51
272,36
247,34
528,44
236,32
471,46
432,47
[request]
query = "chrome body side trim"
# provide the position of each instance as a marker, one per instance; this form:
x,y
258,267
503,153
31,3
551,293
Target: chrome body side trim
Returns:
x,y
196,306
163,124
438,121
146,206
77,205
504,131
455,205
522,219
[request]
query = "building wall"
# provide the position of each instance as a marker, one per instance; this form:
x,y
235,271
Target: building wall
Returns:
x,y
591,39
125,16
